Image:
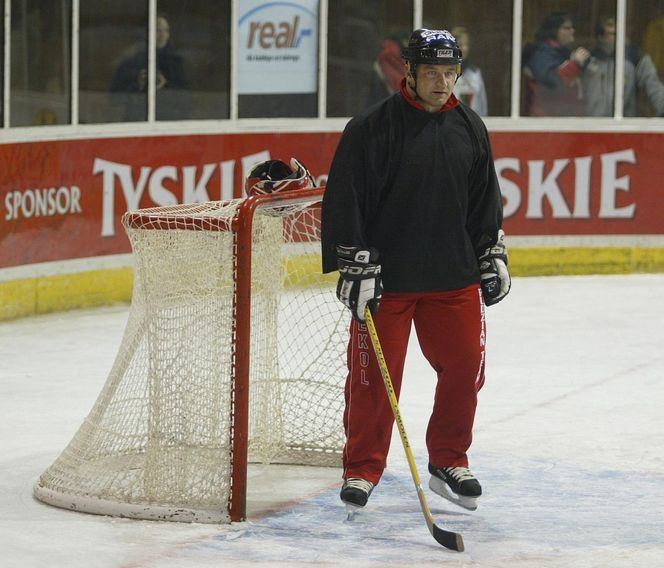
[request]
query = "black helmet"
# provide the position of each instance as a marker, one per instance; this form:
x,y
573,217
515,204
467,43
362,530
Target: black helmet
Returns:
x,y
435,47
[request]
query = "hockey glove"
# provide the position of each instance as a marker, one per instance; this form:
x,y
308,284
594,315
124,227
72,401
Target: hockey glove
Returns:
x,y
495,279
359,280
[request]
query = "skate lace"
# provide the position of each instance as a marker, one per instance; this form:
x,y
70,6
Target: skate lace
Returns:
x,y
460,473
357,483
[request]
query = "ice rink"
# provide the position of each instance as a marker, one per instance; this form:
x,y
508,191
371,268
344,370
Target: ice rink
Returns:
x,y
569,447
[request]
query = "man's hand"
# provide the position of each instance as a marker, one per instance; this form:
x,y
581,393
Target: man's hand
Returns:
x,y
359,280
495,279
581,56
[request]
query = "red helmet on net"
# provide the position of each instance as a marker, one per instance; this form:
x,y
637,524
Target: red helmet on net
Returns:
x,y
272,176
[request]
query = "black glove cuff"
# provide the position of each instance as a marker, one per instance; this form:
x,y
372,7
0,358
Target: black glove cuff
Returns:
x,y
357,254
356,263
497,250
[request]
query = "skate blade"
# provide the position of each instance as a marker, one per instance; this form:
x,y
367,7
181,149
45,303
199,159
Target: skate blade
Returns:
x,y
439,487
351,511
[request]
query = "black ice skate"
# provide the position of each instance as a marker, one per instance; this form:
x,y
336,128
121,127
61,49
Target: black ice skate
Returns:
x,y
456,484
355,494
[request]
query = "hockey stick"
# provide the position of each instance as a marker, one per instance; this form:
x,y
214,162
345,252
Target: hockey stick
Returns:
x,y
448,539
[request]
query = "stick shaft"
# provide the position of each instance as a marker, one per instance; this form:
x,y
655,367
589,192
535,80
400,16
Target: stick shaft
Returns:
x,y
391,395
448,539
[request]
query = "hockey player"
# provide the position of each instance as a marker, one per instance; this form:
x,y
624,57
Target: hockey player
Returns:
x,y
412,219
271,176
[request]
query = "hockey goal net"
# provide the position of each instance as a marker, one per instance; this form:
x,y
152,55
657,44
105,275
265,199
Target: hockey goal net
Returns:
x,y
234,351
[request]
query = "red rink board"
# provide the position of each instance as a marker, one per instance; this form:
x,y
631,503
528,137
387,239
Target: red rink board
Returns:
x,y
64,199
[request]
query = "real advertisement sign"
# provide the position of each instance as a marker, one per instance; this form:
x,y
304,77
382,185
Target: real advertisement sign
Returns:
x,y
277,47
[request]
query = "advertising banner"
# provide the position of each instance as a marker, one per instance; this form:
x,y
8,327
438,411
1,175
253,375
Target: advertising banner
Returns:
x,y
64,199
572,183
277,47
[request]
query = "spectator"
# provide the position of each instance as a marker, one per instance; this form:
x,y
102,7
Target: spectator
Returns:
x,y
553,69
653,43
469,88
129,83
388,69
640,74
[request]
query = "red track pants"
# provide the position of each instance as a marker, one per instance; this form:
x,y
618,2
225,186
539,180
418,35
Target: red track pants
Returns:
x,y
451,331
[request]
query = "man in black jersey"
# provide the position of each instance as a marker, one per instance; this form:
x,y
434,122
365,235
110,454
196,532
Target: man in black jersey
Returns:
x,y
412,218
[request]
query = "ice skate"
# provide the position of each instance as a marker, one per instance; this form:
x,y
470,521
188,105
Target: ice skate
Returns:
x,y
355,494
456,484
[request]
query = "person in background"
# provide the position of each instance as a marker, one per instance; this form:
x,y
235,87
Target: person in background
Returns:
x,y
413,206
131,78
640,74
653,43
553,69
388,69
469,89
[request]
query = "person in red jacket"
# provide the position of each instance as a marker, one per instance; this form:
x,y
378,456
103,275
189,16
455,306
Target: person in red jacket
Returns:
x,y
552,69
411,218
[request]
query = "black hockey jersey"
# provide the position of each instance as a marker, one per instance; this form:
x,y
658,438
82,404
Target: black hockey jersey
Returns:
x,y
419,187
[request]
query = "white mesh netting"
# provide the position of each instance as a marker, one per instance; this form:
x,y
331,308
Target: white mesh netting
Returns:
x,y
157,443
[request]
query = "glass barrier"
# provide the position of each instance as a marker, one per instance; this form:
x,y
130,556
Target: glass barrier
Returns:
x,y
558,66
363,46
2,72
113,61
193,59
40,90
568,59
644,58
485,37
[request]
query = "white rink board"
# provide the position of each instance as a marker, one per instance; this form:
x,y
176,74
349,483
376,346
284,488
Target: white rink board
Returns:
x,y
569,446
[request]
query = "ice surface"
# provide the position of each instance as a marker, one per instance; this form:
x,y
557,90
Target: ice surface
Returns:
x,y
569,446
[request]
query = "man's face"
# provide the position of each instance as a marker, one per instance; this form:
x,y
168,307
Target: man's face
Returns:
x,y
163,32
435,84
608,38
566,34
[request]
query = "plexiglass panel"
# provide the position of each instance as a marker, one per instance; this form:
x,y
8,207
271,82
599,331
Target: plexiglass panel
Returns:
x,y
2,70
644,58
193,59
363,60
113,61
40,62
484,34
563,72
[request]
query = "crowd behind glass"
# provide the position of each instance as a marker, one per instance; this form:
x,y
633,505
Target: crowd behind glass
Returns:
x,y
567,59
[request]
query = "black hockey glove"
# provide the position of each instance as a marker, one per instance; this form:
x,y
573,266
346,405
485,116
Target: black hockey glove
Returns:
x,y
495,279
359,280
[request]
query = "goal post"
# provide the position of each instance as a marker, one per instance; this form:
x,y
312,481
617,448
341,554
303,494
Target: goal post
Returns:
x,y
234,352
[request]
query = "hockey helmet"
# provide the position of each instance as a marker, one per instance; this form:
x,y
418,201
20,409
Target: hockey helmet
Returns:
x,y
272,176
433,47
